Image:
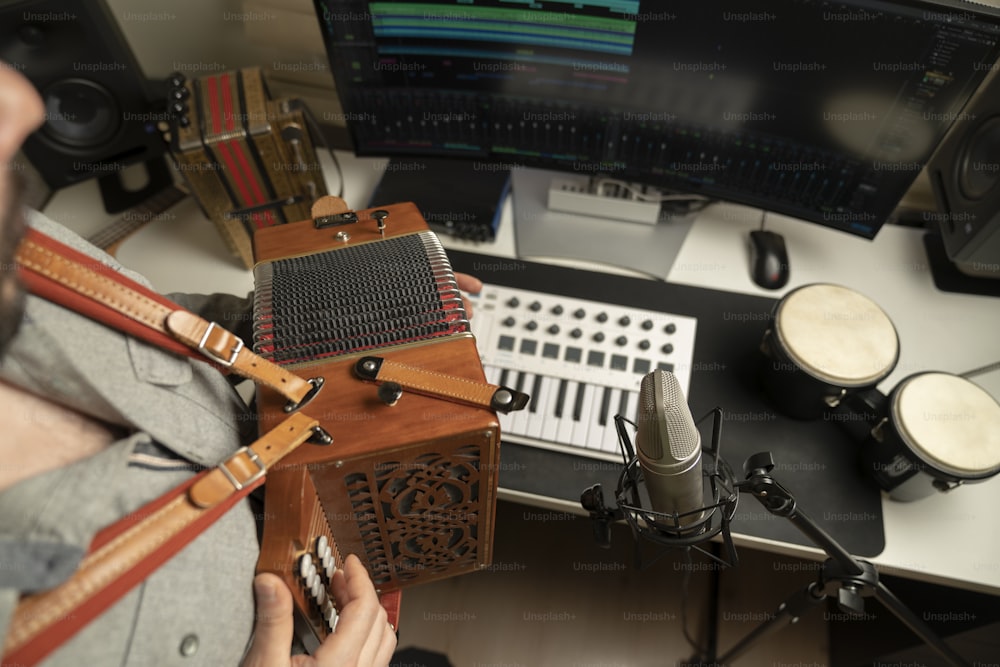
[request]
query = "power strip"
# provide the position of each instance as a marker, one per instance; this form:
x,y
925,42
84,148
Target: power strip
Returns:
x,y
573,194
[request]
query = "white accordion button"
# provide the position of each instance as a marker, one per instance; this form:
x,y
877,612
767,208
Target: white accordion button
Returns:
x,y
322,546
329,566
305,563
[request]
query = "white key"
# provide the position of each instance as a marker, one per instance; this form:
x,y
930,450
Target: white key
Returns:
x,y
546,412
595,431
581,429
519,418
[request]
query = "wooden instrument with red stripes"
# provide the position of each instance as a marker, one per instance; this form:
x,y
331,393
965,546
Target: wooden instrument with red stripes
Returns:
x,y
366,302
248,159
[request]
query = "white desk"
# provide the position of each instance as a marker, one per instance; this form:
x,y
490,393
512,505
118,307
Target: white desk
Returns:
x,y
952,539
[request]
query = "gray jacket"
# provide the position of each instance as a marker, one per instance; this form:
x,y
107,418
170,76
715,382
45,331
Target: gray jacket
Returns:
x,y
175,415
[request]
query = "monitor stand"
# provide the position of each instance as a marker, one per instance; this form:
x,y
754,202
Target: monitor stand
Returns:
x,y
948,278
544,233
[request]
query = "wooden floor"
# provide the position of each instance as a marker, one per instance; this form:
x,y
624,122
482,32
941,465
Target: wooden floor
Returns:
x,y
552,598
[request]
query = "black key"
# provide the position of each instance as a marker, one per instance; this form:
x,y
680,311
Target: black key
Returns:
x,y
623,405
503,377
578,404
560,397
602,419
519,383
536,390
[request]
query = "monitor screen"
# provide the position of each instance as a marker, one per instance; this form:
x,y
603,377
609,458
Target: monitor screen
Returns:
x,y
824,111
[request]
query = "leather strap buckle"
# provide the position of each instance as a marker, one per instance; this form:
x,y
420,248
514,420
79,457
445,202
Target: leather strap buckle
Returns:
x,y
234,352
252,455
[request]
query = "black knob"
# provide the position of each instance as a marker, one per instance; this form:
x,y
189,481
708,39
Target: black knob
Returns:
x,y
513,302
557,310
575,333
670,328
602,317
647,325
598,337
667,349
535,306
624,320
531,326
553,329
621,341
579,313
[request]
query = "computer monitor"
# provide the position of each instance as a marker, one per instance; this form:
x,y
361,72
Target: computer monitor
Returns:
x,y
823,111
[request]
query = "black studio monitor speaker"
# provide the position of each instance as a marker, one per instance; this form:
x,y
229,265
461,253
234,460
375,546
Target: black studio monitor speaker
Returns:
x,y
100,109
965,178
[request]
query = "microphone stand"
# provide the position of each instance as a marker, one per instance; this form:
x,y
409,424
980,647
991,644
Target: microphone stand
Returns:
x,y
850,579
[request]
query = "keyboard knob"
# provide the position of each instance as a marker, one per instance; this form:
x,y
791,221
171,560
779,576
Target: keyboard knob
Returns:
x,y
667,349
621,341
531,326
624,320
670,328
579,313
557,310
598,337
575,333
509,322
602,317
513,302
644,344
647,325
553,329
535,306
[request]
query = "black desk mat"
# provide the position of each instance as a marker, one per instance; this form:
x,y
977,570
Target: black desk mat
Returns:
x,y
817,461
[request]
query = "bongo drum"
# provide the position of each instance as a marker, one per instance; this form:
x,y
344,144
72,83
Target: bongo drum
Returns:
x,y
825,342
938,431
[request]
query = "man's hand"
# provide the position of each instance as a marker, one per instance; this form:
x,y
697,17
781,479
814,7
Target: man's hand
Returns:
x,y
363,637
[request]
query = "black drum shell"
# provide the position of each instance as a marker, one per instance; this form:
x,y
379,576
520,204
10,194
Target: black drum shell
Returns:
x,y
899,467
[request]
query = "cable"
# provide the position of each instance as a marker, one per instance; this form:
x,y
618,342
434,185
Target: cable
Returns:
x,y
314,129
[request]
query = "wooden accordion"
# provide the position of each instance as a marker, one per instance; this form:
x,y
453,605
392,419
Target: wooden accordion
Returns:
x,y
247,159
409,483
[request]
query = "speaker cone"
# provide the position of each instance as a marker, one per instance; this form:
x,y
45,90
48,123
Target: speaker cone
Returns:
x,y
80,113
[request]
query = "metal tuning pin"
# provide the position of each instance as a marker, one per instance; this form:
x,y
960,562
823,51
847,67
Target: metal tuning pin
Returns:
x,y
380,215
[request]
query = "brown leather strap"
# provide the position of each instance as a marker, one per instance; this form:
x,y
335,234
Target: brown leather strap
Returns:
x,y
127,552
440,385
59,273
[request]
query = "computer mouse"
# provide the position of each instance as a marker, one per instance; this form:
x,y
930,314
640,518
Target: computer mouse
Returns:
x,y
768,259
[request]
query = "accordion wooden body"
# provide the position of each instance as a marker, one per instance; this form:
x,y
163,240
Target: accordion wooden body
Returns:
x,y
409,487
248,160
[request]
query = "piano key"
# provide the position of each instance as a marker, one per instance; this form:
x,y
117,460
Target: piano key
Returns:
x,y
588,416
550,424
520,417
557,407
536,389
538,414
564,432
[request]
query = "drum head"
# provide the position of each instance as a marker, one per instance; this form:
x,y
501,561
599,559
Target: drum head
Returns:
x,y
837,335
949,422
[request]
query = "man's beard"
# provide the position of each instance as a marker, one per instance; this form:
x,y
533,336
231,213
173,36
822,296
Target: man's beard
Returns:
x,y
12,294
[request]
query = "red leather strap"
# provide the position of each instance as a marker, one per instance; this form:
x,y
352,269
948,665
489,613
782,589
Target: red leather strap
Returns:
x,y
125,553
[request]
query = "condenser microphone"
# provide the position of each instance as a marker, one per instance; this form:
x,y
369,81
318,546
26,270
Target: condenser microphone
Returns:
x,y
669,452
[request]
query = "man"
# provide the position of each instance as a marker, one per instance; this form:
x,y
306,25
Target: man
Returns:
x,y
93,425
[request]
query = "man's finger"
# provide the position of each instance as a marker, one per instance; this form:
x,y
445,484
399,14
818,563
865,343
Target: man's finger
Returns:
x,y
273,629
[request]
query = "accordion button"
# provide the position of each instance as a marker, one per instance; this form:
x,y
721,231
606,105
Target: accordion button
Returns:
x,y
305,563
331,568
316,588
322,546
